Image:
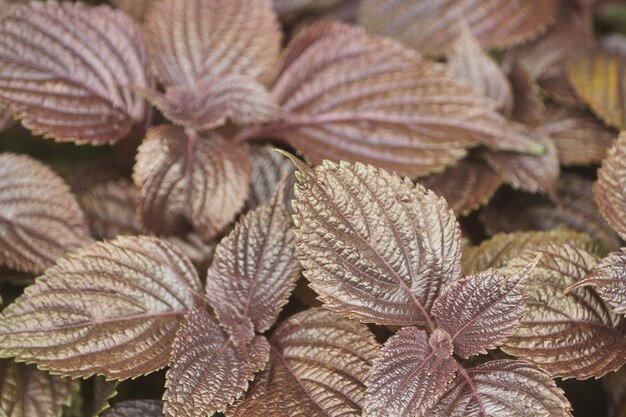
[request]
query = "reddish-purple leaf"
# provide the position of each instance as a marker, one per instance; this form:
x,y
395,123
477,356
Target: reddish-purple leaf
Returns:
x,y
78,87
110,308
374,246
40,219
136,408
411,374
318,367
186,179
190,40
610,190
503,388
207,371
269,167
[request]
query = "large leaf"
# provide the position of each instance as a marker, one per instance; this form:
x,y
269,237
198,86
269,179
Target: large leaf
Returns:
x,y
318,367
411,374
610,190
480,311
372,245
110,308
360,97
268,168
77,88
136,408
503,388
254,269
186,179
432,25
27,392
40,219
568,335
194,39
207,371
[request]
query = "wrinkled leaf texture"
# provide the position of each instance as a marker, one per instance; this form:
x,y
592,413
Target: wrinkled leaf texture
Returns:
x,y
268,168
610,190
136,408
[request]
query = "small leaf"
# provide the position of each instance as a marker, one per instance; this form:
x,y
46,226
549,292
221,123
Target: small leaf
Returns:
x,y
465,186
318,366
284,7
528,105
432,25
220,37
207,371
268,168
254,269
135,8
503,388
185,179
26,391
609,191
372,245
481,311
136,408
411,374
110,308
40,219
571,335
101,391
77,88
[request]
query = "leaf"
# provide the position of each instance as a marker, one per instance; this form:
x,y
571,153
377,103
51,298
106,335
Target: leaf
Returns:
x,y
431,26
185,179
207,371
471,64
609,190
198,252
504,388
110,308
27,392
360,97
598,78
40,219
284,7
101,391
608,279
135,8
110,209
374,246
528,105
77,88
481,311
318,366
268,168
410,375
571,335
213,101
254,270
136,408
190,40
465,186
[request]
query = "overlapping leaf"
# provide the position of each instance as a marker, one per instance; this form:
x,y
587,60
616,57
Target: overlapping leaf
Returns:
x,y
40,219
268,168
284,7
569,335
432,25
254,269
372,245
191,40
135,8
503,388
186,179
528,105
77,87
136,408
318,367
610,190
465,186
100,392
110,308
360,97
207,371
27,392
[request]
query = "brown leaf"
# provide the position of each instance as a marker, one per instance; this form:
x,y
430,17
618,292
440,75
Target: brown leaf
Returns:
x,y
374,246
360,97
40,219
77,88
110,308
571,335
289,7
100,392
254,269
318,366
465,186
503,388
610,190
185,179
136,408
528,105
207,371
268,168
198,252
26,391
432,25
220,37
135,8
